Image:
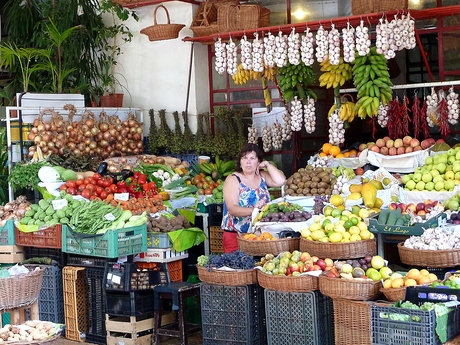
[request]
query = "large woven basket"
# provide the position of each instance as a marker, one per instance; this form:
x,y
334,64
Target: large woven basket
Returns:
x,y
242,17
301,283
229,278
48,341
21,290
352,322
360,290
159,32
340,250
373,6
394,294
429,258
205,21
275,247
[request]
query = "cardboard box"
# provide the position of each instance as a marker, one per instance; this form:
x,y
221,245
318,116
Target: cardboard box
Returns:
x,y
417,229
161,255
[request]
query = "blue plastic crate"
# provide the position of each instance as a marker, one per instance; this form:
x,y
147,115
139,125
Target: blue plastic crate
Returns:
x,y
51,298
189,158
298,318
158,240
232,315
7,236
111,244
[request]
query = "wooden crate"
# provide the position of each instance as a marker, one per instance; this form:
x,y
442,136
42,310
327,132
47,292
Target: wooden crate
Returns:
x,y
11,254
75,313
216,235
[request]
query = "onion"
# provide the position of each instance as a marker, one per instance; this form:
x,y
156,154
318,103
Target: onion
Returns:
x,y
88,134
113,132
69,128
60,136
98,150
140,145
72,146
36,122
139,130
46,137
87,149
136,137
41,127
87,141
84,128
104,127
132,130
119,128
51,145
118,146
47,126
132,122
103,143
89,123
106,136
125,123
99,136
31,136
43,144
123,133
92,145
77,152
45,149
37,139
31,154
132,145
34,130
124,149
94,130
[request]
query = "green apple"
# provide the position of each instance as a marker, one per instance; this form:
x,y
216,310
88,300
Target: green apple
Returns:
x,y
451,152
438,178
451,159
420,185
429,160
385,272
411,185
405,179
426,177
327,211
442,158
441,167
452,205
429,185
449,168
449,185
439,185
449,175
457,175
417,177
377,262
457,155
434,173
456,166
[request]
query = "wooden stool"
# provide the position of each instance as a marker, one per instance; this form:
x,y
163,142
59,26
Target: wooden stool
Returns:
x,y
18,315
177,292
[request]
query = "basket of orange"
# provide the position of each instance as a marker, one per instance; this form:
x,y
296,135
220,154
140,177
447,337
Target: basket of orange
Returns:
x,y
266,243
351,158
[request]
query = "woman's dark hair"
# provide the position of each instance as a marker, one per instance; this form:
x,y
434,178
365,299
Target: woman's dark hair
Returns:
x,y
249,147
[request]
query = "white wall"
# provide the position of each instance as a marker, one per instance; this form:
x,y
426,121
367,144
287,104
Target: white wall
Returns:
x,y
157,72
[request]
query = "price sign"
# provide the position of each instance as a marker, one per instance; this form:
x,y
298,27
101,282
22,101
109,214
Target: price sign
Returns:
x,y
58,204
110,216
121,196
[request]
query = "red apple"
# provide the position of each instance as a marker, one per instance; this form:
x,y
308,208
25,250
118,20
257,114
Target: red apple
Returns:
x,y
418,148
431,140
440,141
420,207
400,150
393,206
316,268
411,207
390,143
398,143
392,151
425,144
406,140
380,143
409,149
362,147
359,171
305,256
402,207
321,263
384,150
386,138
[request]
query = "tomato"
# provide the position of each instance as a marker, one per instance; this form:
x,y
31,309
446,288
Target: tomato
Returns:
x,y
97,176
103,195
81,187
94,197
91,187
79,182
99,190
71,190
63,187
88,180
86,193
113,188
216,184
71,183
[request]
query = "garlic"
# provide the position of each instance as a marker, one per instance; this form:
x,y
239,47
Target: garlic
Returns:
x,y
296,114
269,50
307,51
246,53
221,56
253,136
452,106
257,54
277,136
334,45
293,51
232,63
266,138
348,35
336,129
321,44
432,108
281,50
309,115
363,42
382,115
287,131
339,184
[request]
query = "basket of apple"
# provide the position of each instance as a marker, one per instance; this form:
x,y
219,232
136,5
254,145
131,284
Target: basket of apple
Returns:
x,y
291,271
394,284
357,279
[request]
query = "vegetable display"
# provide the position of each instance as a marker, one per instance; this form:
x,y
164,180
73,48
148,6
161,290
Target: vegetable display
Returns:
x,y
14,210
25,175
165,223
235,260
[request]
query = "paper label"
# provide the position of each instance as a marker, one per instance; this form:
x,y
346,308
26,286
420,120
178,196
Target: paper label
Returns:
x,y
121,196
110,216
59,203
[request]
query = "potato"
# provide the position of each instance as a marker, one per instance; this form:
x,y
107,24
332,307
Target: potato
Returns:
x,y
15,329
31,323
39,325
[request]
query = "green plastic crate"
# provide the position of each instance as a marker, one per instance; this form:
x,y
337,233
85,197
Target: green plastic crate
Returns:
x,y
111,244
7,233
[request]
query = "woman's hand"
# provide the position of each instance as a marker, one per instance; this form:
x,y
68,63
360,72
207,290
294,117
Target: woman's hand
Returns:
x,y
260,204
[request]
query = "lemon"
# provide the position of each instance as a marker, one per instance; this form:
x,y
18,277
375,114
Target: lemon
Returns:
x,y
336,212
317,234
336,200
354,230
335,237
329,227
345,218
318,219
347,213
315,226
324,239
346,235
355,237
339,228
326,222
365,235
361,226
363,213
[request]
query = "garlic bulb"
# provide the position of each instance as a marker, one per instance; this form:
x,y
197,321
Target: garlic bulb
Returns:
x,y
246,53
309,116
434,239
452,106
296,114
321,44
318,161
221,57
432,108
385,38
277,136
336,129
232,55
409,25
293,51
334,45
281,50
342,180
307,51
382,115
253,136
287,131
269,50
363,41
257,54
348,37
266,138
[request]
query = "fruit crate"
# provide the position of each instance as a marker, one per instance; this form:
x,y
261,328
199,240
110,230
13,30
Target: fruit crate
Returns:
x,y
55,254
128,277
416,230
169,271
158,240
46,238
393,325
216,235
12,253
51,298
7,233
86,261
133,303
111,244
215,212
298,318
352,322
232,315
95,297
75,313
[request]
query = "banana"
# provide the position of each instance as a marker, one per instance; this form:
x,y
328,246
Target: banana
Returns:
x,y
334,75
331,111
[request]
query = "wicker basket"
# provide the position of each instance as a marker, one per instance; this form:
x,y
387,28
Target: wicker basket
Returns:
x,y
360,290
429,258
51,340
374,6
205,21
302,283
341,250
21,290
242,17
394,294
160,32
275,247
352,322
229,278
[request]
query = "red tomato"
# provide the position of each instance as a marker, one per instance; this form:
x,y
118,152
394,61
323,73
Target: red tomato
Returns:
x,y
79,182
87,180
103,195
100,183
91,187
96,177
63,187
71,190
108,190
113,188
99,190
71,183
93,197
86,193
81,187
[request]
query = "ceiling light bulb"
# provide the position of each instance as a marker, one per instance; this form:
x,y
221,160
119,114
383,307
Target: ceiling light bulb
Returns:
x,y
300,14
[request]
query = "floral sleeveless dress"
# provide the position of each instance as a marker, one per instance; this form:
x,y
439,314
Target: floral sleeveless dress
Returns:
x,y
248,198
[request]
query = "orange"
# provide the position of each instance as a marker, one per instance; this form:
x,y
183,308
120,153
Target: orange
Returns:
x,y
353,151
248,236
423,280
346,154
334,150
410,282
340,156
322,154
326,147
266,235
433,277
387,284
413,274
397,283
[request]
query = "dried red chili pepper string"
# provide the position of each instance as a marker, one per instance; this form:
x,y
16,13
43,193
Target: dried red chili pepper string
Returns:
x,y
417,117
443,112
424,124
373,123
405,118
393,111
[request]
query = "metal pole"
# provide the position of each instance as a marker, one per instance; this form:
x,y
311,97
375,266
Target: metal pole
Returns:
x,y
413,86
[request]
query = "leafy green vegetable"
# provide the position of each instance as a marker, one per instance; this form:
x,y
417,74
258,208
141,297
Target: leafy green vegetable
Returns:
x,y
25,175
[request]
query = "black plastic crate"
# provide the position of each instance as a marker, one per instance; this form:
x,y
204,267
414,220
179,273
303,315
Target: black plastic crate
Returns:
x,y
215,214
393,325
232,315
128,277
55,254
96,332
298,318
421,294
51,298
86,261
132,303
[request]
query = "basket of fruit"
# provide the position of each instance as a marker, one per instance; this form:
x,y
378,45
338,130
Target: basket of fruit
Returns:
x,y
360,289
266,243
298,283
339,250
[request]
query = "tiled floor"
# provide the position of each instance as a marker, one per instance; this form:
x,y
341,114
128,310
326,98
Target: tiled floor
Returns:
x,y
193,339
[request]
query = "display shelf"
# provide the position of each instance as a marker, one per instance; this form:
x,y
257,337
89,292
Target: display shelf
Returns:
x,y
341,22
154,2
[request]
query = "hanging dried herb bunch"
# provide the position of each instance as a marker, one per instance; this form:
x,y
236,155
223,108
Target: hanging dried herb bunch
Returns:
x,y
188,137
240,128
200,137
209,137
177,139
153,134
164,132
229,130
220,144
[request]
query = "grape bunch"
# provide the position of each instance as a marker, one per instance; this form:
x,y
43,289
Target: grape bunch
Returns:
x,y
235,260
319,203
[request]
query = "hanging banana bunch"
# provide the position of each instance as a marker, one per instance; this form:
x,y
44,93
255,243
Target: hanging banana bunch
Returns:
x,y
334,75
347,111
267,96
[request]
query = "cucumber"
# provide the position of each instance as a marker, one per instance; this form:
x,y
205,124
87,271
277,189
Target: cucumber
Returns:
x,y
383,216
394,215
400,221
